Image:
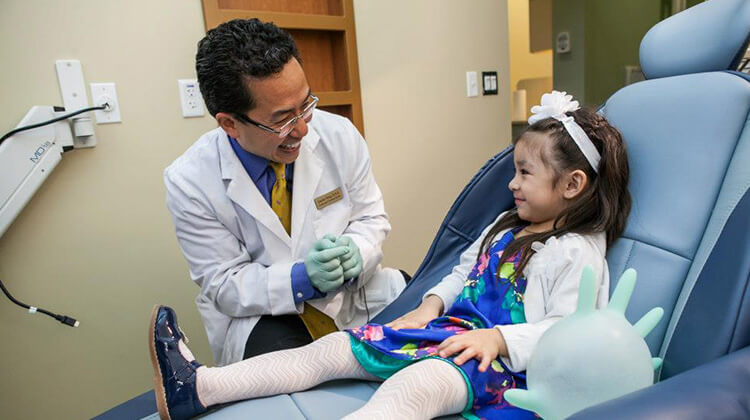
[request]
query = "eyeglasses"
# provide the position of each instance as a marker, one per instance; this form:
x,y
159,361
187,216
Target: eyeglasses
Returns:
x,y
289,125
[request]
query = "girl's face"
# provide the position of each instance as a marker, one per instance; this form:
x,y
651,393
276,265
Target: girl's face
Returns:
x,y
538,197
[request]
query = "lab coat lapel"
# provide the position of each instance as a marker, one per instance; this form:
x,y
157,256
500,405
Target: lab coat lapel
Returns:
x,y
308,169
243,191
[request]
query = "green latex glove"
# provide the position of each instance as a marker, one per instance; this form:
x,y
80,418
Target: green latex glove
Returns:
x,y
323,266
351,262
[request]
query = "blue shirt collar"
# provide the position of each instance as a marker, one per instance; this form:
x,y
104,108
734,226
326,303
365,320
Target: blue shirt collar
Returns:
x,y
253,164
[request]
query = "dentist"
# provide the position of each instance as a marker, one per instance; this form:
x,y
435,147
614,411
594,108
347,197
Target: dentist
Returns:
x,y
276,210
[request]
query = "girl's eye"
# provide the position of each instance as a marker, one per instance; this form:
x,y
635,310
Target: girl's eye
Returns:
x,y
524,172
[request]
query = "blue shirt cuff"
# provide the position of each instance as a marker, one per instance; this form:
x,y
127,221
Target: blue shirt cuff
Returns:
x,y
302,289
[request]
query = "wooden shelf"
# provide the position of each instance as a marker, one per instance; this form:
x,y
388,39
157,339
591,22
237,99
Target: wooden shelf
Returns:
x,y
337,98
310,7
322,54
282,20
343,110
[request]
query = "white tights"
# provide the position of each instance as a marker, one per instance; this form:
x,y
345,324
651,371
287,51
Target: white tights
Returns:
x,y
423,390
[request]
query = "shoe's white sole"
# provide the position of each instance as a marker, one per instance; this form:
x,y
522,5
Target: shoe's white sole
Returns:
x,y
161,396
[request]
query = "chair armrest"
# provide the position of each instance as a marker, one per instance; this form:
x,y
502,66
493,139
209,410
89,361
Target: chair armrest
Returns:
x,y
717,390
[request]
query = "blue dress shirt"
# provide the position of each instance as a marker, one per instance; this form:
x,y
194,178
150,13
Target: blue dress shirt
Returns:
x,y
263,177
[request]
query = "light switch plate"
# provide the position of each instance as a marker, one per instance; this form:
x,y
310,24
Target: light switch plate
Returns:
x,y
489,83
472,84
190,98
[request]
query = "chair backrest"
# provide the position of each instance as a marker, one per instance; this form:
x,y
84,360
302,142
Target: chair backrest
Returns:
x,y
688,140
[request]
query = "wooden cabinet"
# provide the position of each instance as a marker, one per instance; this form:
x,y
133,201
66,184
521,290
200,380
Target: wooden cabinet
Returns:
x,y
325,36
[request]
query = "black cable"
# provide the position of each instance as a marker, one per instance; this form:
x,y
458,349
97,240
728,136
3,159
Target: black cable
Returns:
x,y
54,120
367,308
62,318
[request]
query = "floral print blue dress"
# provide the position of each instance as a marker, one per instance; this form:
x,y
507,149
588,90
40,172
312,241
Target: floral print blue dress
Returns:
x,y
492,295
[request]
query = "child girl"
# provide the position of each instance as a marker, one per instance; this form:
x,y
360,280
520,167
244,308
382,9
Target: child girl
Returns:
x,y
519,278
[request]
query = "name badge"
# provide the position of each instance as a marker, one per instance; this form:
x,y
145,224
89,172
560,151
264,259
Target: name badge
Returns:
x,y
328,198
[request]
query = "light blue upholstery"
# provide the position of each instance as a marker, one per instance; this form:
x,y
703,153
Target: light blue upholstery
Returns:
x,y
708,362
339,397
702,204
716,390
682,133
706,37
723,283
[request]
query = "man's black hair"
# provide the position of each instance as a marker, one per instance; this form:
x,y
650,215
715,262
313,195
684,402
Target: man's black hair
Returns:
x,y
232,53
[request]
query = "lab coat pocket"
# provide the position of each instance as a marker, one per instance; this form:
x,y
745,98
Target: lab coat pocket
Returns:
x,y
384,286
332,219
362,304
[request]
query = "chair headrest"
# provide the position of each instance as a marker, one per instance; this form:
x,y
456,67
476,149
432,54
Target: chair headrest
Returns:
x,y
711,36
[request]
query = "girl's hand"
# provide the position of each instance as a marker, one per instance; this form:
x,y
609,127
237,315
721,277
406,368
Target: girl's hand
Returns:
x,y
430,309
483,344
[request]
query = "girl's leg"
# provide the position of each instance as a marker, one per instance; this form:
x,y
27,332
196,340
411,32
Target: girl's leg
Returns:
x,y
423,390
279,372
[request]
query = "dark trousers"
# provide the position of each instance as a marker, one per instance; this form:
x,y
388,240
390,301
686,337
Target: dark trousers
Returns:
x,y
282,332
273,333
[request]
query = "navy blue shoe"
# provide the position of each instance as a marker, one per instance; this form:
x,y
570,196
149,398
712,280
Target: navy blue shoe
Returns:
x,y
174,376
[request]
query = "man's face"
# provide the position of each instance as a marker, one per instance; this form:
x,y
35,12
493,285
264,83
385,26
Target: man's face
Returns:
x,y
278,98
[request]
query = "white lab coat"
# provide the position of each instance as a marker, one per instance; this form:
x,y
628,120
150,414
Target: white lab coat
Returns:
x,y
553,275
241,256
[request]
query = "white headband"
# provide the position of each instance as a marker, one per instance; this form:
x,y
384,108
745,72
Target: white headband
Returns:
x,y
554,105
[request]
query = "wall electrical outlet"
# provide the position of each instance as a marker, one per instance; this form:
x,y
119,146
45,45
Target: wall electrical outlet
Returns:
x,y
190,98
562,42
105,93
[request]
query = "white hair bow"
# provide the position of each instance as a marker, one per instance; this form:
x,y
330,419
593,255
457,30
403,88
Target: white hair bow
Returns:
x,y
554,105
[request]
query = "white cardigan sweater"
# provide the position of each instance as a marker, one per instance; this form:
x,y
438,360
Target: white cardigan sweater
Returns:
x,y
553,274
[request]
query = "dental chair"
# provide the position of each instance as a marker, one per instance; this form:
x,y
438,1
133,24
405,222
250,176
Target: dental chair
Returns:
x,y
687,131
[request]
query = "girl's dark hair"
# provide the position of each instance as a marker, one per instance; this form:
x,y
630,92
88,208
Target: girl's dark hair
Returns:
x,y
605,203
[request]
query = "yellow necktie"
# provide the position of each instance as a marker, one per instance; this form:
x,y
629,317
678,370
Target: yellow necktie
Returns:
x,y
281,198
317,323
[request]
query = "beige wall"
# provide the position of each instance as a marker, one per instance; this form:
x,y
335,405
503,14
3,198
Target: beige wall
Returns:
x,y
96,241
523,63
426,137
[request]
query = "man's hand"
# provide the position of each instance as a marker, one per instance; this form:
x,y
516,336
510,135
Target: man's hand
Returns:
x,y
351,262
483,344
323,266
429,309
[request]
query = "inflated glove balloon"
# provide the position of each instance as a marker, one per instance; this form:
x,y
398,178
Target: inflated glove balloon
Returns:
x,y
323,266
590,356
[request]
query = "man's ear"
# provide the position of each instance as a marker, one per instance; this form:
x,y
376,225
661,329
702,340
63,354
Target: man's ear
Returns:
x,y
574,184
228,123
